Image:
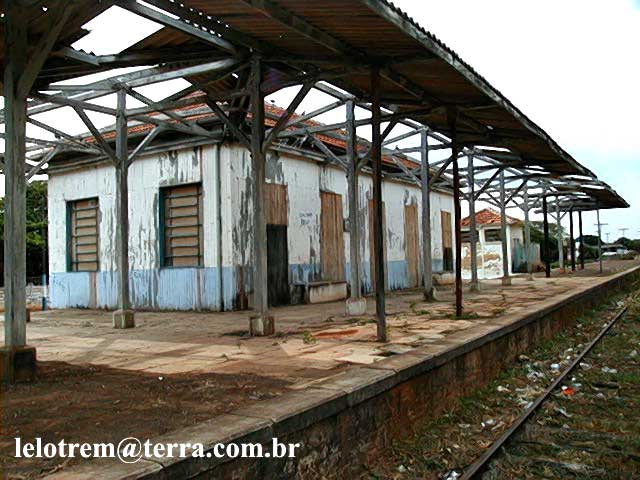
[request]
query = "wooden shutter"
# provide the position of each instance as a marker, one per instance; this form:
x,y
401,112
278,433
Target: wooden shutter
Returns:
x,y
182,226
83,235
276,204
447,240
332,236
412,244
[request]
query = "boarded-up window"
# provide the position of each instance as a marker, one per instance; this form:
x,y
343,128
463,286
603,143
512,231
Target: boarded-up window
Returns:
x,y
447,241
181,222
83,235
412,244
332,239
276,204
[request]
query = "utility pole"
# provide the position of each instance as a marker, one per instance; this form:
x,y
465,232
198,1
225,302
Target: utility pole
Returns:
x,y
623,231
599,225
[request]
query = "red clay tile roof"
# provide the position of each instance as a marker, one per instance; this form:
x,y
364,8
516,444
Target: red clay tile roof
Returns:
x,y
270,109
487,216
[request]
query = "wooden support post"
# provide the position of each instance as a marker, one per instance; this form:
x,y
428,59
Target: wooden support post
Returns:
x,y
599,237
473,230
427,265
15,280
506,279
572,243
581,240
378,233
545,247
260,323
357,304
559,236
452,115
124,316
527,233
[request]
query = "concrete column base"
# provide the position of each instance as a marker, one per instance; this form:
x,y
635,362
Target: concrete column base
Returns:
x,y
356,306
261,325
17,364
506,281
124,319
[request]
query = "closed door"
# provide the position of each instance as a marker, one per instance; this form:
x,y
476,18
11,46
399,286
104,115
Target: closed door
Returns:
x,y
447,241
332,237
277,214
278,266
412,244
372,250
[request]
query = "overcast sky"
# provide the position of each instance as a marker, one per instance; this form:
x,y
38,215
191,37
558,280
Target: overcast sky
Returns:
x,y
572,66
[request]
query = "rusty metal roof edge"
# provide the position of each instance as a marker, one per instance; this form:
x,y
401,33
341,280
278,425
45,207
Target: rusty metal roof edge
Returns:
x,y
402,20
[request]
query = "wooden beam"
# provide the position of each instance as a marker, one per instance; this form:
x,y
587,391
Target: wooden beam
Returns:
x,y
452,117
15,280
378,211
352,191
427,263
282,122
258,158
163,19
59,16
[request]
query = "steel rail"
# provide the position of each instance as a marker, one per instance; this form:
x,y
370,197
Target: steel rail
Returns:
x,y
479,467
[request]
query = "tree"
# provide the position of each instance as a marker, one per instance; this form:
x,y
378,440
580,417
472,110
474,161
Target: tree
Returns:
x,y
537,236
36,229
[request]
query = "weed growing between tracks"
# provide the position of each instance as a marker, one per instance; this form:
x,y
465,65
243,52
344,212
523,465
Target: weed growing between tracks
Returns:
x,y
443,447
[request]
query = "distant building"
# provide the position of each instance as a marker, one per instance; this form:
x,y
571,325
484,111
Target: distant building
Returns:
x,y
489,245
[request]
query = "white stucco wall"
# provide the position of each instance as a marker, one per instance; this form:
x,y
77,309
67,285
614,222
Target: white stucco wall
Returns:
x,y
225,276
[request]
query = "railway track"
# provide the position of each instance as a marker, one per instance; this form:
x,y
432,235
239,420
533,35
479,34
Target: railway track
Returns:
x,y
543,443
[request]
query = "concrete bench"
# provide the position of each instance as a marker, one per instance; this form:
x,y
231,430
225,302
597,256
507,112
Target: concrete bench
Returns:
x,y
325,291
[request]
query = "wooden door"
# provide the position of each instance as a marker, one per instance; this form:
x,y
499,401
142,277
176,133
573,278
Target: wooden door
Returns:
x,y
277,215
412,244
331,236
372,255
447,241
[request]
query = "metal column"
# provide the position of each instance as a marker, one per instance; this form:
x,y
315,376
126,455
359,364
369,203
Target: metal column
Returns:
x,y
378,234
473,233
427,265
261,323
506,279
124,316
545,247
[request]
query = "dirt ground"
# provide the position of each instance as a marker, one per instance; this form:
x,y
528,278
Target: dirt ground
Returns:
x,y
176,369
99,404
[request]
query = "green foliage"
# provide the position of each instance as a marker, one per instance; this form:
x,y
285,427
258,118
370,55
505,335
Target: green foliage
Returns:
x,y
36,226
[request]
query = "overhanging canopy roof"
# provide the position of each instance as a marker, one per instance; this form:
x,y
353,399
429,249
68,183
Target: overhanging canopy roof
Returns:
x,y
334,40
421,76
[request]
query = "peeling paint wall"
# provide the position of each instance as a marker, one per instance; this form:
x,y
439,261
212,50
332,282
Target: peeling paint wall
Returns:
x,y
489,254
225,279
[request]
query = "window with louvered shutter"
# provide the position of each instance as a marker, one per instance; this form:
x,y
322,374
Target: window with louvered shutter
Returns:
x,y
83,235
181,226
